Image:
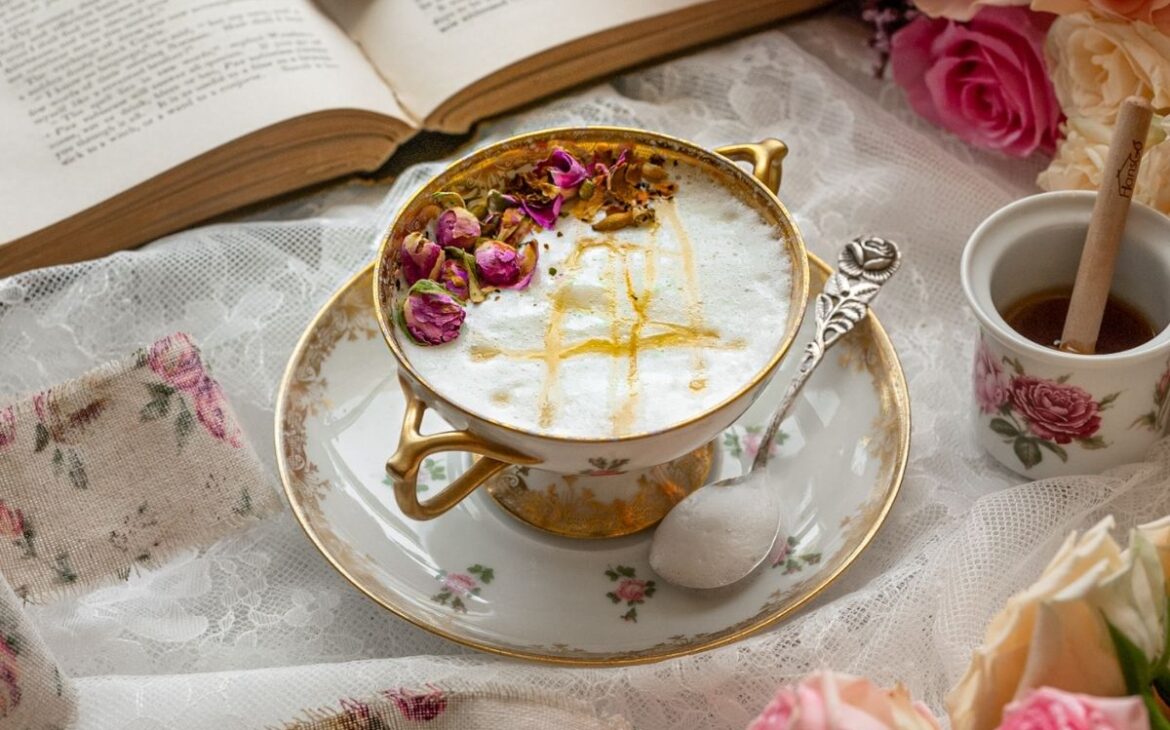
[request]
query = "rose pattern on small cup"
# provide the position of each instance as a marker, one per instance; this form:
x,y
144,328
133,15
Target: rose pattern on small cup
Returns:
x,y
458,586
1158,418
7,428
630,590
1036,414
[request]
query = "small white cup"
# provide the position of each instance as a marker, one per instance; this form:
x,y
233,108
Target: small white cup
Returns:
x,y
1042,412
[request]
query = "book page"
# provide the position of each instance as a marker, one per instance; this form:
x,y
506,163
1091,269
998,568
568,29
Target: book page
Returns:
x,y
431,49
97,96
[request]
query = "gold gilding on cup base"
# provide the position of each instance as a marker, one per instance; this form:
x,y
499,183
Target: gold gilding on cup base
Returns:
x,y
597,506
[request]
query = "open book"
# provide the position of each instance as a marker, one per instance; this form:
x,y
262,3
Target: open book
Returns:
x,y
124,120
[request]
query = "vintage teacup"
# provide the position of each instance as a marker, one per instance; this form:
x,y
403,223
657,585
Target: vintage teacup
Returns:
x,y
500,445
1042,412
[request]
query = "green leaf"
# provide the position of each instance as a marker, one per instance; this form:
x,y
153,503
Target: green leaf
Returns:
x,y
77,475
42,438
1055,448
159,390
1064,378
1157,720
1003,428
156,409
485,574
184,424
731,443
1015,364
1135,667
1027,452
1097,442
1149,420
1107,401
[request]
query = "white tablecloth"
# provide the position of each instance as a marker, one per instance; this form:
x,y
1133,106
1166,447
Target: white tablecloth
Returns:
x,y
256,629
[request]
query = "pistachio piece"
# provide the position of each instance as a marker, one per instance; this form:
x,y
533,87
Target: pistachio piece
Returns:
x,y
585,192
448,199
614,221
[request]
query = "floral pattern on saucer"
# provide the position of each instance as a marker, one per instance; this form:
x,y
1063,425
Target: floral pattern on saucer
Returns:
x,y
630,589
1036,414
457,586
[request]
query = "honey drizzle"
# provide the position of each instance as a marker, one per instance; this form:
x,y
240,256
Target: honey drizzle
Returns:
x,y
694,308
695,334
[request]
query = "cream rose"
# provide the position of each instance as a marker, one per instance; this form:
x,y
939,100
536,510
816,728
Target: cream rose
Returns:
x,y
962,10
1097,62
830,701
1081,157
1054,634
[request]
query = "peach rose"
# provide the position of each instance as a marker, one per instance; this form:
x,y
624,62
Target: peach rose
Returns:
x,y
827,701
1054,633
1097,62
1081,157
1151,12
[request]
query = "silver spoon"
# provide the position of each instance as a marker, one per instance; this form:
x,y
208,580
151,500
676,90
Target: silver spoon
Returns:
x,y
721,533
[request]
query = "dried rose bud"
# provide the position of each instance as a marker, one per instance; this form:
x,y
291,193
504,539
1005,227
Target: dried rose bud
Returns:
x,y
453,276
544,212
498,264
513,224
497,202
430,315
527,255
456,227
468,260
564,170
420,258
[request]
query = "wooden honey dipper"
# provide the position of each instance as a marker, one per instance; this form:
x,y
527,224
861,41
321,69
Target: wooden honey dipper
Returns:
x,y
1090,292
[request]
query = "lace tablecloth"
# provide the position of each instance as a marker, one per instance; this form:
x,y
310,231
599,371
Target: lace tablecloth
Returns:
x,y
257,629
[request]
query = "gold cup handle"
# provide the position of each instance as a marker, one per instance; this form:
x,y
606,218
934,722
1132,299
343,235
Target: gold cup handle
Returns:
x,y
766,157
413,447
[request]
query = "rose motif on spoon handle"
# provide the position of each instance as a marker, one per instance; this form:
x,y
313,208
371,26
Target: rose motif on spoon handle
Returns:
x,y
864,265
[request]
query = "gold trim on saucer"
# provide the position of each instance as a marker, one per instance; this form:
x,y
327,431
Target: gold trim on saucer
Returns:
x,y
570,508
346,316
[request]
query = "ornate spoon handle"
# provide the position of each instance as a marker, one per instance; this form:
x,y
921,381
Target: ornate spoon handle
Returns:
x,y
864,265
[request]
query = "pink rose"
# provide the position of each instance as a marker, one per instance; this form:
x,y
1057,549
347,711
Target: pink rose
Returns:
x,y
176,360
7,428
212,411
984,80
1052,709
9,679
1055,411
631,590
828,701
459,583
751,445
992,387
11,521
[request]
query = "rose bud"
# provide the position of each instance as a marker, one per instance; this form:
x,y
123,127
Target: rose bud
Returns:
x,y
430,315
565,171
468,261
498,264
419,257
543,211
456,227
527,255
447,199
513,224
453,276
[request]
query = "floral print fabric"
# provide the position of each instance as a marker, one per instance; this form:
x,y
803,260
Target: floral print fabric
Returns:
x,y
112,472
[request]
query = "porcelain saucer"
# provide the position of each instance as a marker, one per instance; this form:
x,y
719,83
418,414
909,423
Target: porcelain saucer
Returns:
x,y
480,577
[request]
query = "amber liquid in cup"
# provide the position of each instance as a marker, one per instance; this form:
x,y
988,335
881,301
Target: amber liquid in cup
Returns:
x,y
1040,318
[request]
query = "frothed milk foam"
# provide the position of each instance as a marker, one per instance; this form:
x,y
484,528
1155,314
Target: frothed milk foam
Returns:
x,y
638,329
